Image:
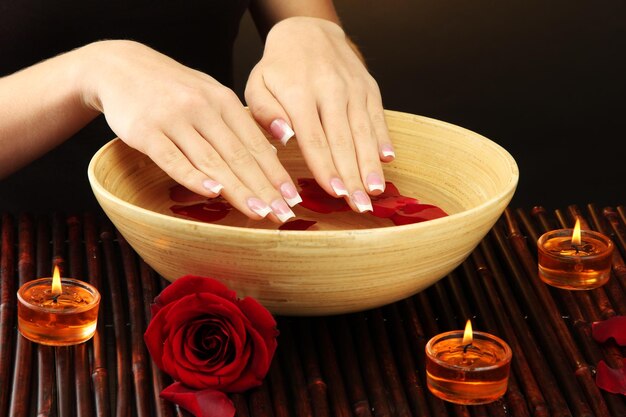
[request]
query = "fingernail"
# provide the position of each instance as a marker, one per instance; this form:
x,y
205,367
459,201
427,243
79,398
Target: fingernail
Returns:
x,y
259,207
362,201
290,194
213,186
387,150
374,182
338,187
274,148
281,131
282,210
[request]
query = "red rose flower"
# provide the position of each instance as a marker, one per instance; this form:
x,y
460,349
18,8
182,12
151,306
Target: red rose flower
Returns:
x,y
209,341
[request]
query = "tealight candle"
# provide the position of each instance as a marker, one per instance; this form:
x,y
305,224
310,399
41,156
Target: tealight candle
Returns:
x,y
466,367
57,311
574,259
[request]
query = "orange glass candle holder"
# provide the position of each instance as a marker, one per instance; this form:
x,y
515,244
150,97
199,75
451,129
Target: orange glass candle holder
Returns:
x,y
572,264
467,373
57,319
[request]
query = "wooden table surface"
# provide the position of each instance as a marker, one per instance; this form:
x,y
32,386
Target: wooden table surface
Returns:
x,y
369,363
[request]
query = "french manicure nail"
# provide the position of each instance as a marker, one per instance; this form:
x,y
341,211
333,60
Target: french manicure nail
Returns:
x,y
213,186
387,150
374,182
362,201
290,194
259,206
282,210
281,130
338,187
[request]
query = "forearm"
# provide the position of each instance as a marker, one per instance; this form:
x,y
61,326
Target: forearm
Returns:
x,y
267,13
40,107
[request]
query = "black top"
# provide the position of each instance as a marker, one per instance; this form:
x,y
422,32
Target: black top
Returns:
x,y
197,33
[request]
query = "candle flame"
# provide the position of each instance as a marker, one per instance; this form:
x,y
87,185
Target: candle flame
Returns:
x,y
56,281
576,240
468,335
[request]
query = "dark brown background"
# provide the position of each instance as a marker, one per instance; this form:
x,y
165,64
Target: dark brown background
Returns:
x,y
544,79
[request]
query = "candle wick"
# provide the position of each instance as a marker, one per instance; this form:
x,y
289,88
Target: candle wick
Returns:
x,y
55,298
466,347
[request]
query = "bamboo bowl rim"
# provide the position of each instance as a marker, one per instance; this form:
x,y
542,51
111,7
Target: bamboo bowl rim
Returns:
x,y
513,180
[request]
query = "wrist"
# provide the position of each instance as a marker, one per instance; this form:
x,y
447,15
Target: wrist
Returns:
x,y
95,64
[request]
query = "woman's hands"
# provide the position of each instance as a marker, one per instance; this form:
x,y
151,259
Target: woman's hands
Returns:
x,y
198,131
190,125
311,79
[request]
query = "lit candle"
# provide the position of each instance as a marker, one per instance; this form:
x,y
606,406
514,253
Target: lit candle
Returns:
x,y
57,311
466,367
574,259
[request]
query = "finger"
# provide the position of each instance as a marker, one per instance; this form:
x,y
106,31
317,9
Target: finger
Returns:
x,y
379,124
175,164
366,145
266,109
334,119
196,151
314,146
264,154
242,163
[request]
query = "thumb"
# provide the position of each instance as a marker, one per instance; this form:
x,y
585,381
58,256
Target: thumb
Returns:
x,y
266,109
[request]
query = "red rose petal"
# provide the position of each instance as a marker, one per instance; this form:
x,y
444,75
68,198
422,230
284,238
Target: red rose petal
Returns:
x,y
211,211
191,284
298,224
207,343
204,403
614,327
180,194
153,337
259,316
254,374
415,213
390,190
323,205
388,206
611,380
316,199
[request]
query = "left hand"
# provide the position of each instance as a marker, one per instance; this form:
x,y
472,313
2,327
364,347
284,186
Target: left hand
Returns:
x,y
312,80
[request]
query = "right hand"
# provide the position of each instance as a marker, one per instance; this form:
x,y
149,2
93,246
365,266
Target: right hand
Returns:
x,y
190,125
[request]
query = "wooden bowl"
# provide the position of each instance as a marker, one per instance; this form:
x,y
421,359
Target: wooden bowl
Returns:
x,y
351,262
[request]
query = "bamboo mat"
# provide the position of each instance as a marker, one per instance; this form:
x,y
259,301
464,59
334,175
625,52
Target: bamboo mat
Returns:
x,y
363,364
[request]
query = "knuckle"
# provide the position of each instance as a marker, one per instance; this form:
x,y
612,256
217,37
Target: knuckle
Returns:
x,y
138,133
240,157
378,118
226,96
171,162
258,144
187,98
258,108
343,143
361,130
264,190
237,189
167,158
295,96
316,141
205,161
335,85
